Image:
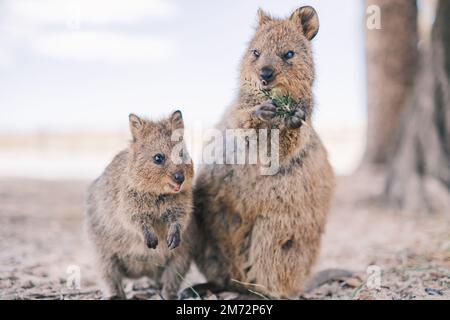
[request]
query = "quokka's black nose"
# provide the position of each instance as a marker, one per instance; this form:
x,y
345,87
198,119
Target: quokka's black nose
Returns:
x,y
267,74
178,177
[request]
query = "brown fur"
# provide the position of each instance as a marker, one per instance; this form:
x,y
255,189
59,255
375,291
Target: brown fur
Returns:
x,y
134,203
263,232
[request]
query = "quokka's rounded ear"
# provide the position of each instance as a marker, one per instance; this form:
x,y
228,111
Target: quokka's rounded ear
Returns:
x,y
136,125
177,120
263,17
307,18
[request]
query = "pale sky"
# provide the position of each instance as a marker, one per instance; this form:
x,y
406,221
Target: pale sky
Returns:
x,y
86,64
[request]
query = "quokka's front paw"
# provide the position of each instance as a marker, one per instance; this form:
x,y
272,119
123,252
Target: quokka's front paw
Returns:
x,y
295,120
265,111
173,236
150,238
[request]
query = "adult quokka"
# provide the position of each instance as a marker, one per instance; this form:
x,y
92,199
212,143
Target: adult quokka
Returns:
x,y
263,232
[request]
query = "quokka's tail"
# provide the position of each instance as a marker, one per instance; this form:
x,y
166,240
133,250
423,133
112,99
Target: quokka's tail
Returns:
x,y
325,276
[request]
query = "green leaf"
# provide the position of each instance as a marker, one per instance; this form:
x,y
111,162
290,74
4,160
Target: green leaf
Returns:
x,y
285,104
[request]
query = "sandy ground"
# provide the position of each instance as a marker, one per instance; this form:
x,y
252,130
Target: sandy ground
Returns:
x,y
42,247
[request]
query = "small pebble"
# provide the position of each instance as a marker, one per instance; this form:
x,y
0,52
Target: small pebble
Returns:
x,y
433,292
27,284
353,282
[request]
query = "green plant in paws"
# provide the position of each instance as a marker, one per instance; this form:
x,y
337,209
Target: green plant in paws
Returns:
x,y
285,104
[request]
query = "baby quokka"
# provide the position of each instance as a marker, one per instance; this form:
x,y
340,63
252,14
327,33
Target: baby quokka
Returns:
x,y
139,208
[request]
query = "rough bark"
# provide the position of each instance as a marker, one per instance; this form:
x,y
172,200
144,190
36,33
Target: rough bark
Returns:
x,y
419,172
392,59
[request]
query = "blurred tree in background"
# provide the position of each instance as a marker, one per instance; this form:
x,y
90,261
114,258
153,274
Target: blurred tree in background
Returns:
x,y
408,131
392,57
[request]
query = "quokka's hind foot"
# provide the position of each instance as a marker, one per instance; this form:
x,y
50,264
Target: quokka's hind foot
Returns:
x,y
200,290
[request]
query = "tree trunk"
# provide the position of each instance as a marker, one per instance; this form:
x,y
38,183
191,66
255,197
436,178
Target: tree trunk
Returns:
x,y
392,59
419,172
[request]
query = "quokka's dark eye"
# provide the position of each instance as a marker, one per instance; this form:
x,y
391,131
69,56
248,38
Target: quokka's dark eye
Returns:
x,y
159,158
288,55
256,53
